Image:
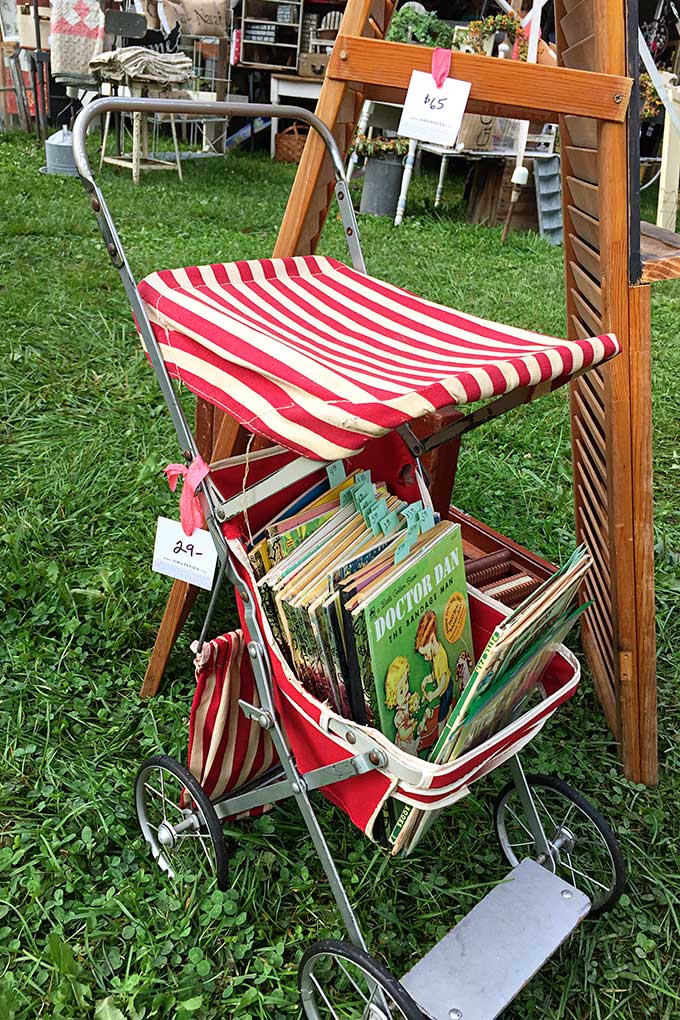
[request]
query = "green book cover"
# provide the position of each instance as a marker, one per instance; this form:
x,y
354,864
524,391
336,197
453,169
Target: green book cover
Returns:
x,y
491,710
304,648
281,544
445,743
418,644
530,626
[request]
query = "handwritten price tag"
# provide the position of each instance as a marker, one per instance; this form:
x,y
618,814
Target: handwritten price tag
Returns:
x,y
434,114
189,559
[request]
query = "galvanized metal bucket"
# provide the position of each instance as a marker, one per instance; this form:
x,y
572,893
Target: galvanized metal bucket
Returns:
x,y
382,184
59,153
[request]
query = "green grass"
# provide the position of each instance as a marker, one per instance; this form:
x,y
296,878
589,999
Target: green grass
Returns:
x,y
88,927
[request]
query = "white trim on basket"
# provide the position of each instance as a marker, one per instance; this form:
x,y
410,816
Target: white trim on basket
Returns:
x,y
412,773
445,795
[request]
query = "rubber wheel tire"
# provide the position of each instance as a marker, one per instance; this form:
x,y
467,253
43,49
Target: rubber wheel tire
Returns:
x,y
374,968
597,819
212,822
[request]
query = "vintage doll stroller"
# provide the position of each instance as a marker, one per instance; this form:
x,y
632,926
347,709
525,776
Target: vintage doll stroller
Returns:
x,y
330,364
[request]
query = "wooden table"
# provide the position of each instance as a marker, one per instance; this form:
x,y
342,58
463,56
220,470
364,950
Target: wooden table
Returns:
x,y
294,87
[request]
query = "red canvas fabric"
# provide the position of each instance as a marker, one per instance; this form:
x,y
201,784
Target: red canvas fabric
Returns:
x,y
321,358
387,458
305,722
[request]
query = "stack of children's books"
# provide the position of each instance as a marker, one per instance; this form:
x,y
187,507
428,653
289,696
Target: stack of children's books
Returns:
x,y
367,597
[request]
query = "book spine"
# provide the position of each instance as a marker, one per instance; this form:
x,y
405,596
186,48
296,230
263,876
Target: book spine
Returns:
x,y
443,746
355,687
395,838
337,653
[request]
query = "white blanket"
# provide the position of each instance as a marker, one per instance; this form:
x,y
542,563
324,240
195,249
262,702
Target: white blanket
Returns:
x,y
136,63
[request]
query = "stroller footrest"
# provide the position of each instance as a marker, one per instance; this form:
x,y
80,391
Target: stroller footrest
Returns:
x,y
482,964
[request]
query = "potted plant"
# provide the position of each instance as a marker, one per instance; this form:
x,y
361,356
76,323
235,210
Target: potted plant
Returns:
x,y
481,33
410,25
382,173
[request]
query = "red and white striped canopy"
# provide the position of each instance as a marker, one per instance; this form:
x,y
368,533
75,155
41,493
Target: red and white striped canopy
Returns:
x,y
321,358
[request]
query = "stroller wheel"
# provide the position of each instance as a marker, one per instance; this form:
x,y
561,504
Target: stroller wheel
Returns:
x,y
178,821
337,979
583,849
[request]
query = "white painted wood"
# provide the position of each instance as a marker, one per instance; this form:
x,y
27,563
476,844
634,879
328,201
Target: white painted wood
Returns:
x,y
667,204
290,86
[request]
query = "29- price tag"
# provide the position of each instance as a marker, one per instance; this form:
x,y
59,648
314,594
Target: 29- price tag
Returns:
x,y
433,114
187,558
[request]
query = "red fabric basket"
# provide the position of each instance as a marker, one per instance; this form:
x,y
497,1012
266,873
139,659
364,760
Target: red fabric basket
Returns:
x,y
318,736
227,750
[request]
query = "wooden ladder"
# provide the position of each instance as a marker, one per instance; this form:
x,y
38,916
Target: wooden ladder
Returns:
x,y
588,93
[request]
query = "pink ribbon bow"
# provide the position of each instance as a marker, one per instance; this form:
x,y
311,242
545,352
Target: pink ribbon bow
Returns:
x,y
441,66
190,513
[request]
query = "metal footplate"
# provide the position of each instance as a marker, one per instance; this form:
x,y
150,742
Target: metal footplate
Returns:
x,y
480,966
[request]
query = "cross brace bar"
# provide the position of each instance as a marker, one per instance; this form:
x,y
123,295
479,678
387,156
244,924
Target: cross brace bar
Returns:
x,y
533,89
270,792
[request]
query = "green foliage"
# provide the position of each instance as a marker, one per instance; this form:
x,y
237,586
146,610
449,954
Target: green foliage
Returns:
x,y
480,31
409,25
650,103
378,145
88,927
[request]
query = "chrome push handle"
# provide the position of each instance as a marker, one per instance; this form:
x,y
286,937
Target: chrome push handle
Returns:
x,y
194,108
112,240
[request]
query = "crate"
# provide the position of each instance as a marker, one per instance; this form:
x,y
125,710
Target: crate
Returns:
x,y
313,65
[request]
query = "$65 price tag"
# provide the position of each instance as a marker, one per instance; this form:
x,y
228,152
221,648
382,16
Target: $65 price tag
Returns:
x,y
433,114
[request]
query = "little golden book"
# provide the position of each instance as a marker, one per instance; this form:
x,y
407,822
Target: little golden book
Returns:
x,y
414,642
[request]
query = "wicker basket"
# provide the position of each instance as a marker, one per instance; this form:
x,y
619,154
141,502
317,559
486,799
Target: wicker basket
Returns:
x,y
290,143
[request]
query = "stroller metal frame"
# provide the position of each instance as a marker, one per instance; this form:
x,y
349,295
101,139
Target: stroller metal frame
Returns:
x,y
286,779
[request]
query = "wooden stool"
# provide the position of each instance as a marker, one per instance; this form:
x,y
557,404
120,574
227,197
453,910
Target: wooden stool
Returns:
x,y
140,159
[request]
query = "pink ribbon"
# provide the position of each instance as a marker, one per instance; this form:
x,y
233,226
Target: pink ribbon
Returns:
x,y
190,513
441,66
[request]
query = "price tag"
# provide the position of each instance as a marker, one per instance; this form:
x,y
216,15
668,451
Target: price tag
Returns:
x,y
187,558
347,496
433,114
336,473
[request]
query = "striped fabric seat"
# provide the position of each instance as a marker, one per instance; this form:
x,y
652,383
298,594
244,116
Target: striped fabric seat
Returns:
x,y
226,749
321,358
